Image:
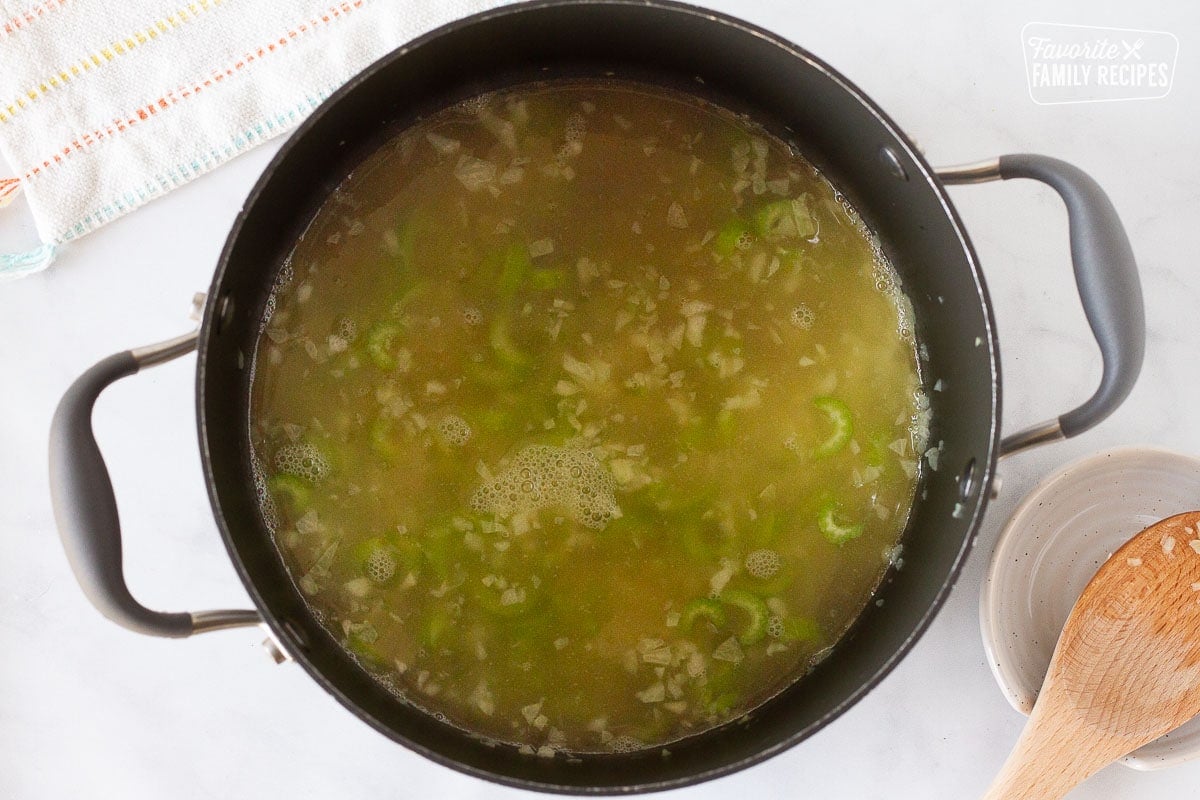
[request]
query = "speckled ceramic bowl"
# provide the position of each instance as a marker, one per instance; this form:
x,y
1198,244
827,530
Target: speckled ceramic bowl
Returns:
x,y
1055,541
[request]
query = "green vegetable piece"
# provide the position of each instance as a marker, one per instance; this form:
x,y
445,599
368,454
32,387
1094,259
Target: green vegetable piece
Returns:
x,y
705,607
545,279
835,531
435,627
377,559
703,541
383,442
730,237
801,629
508,602
507,351
722,704
291,492
514,269
381,344
439,544
766,529
402,245
753,609
362,641
409,555
726,426
843,426
493,420
781,220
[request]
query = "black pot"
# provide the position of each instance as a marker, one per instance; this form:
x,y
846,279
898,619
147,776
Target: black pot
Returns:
x,y
743,68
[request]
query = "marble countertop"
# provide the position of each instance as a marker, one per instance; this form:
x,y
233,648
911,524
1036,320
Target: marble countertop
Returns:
x,y
90,710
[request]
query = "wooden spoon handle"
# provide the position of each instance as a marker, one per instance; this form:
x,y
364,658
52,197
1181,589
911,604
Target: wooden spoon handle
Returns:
x,y
1052,757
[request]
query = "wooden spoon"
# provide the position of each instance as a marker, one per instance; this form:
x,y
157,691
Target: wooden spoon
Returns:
x,y
1125,671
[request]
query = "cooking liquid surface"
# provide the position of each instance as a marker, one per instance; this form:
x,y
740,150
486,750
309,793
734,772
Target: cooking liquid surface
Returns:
x,y
587,416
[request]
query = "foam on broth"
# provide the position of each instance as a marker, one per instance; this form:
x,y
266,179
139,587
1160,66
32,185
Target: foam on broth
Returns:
x,y
587,416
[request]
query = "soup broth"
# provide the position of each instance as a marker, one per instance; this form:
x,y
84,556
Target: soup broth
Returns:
x,y
587,416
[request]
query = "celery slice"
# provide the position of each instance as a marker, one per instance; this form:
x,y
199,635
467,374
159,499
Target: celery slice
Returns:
x,y
705,607
834,530
381,437
801,629
843,426
507,351
381,343
753,610
291,492
729,237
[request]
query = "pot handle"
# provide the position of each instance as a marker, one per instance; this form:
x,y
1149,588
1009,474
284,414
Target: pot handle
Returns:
x,y
1105,274
85,508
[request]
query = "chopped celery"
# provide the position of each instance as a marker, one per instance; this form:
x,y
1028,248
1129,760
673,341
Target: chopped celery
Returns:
x,y
401,244
493,420
723,703
766,529
494,376
381,343
702,541
382,438
753,610
705,607
514,269
512,601
385,559
801,629
435,626
408,554
726,426
441,550
543,279
843,426
781,220
836,531
730,237
500,337
361,641
291,492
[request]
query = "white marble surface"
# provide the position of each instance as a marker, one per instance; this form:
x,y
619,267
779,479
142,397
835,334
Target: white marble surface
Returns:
x,y
89,710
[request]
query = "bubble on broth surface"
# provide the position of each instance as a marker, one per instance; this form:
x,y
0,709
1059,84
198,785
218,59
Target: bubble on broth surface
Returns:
x,y
381,566
472,316
542,476
454,429
763,564
347,329
266,502
576,126
302,460
803,317
625,744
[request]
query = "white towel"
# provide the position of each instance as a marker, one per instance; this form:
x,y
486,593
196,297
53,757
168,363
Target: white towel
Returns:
x,y
107,105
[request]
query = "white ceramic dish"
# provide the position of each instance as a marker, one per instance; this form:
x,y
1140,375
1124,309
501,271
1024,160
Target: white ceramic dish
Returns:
x,y
1055,541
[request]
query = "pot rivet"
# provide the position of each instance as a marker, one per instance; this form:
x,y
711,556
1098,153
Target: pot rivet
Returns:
x,y
892,161
224,313
296,632
198,301
966,481
273,649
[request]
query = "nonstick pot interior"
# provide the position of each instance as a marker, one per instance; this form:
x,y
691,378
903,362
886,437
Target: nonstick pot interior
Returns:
x,y
738,66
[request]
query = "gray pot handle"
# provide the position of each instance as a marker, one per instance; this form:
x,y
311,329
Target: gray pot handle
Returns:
x,y
1106,275
85,508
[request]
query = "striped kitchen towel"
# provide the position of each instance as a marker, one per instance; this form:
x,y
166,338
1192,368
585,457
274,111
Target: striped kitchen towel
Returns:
x,y
106,105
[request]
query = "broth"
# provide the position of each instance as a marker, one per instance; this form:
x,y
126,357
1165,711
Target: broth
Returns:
x,y
587,416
